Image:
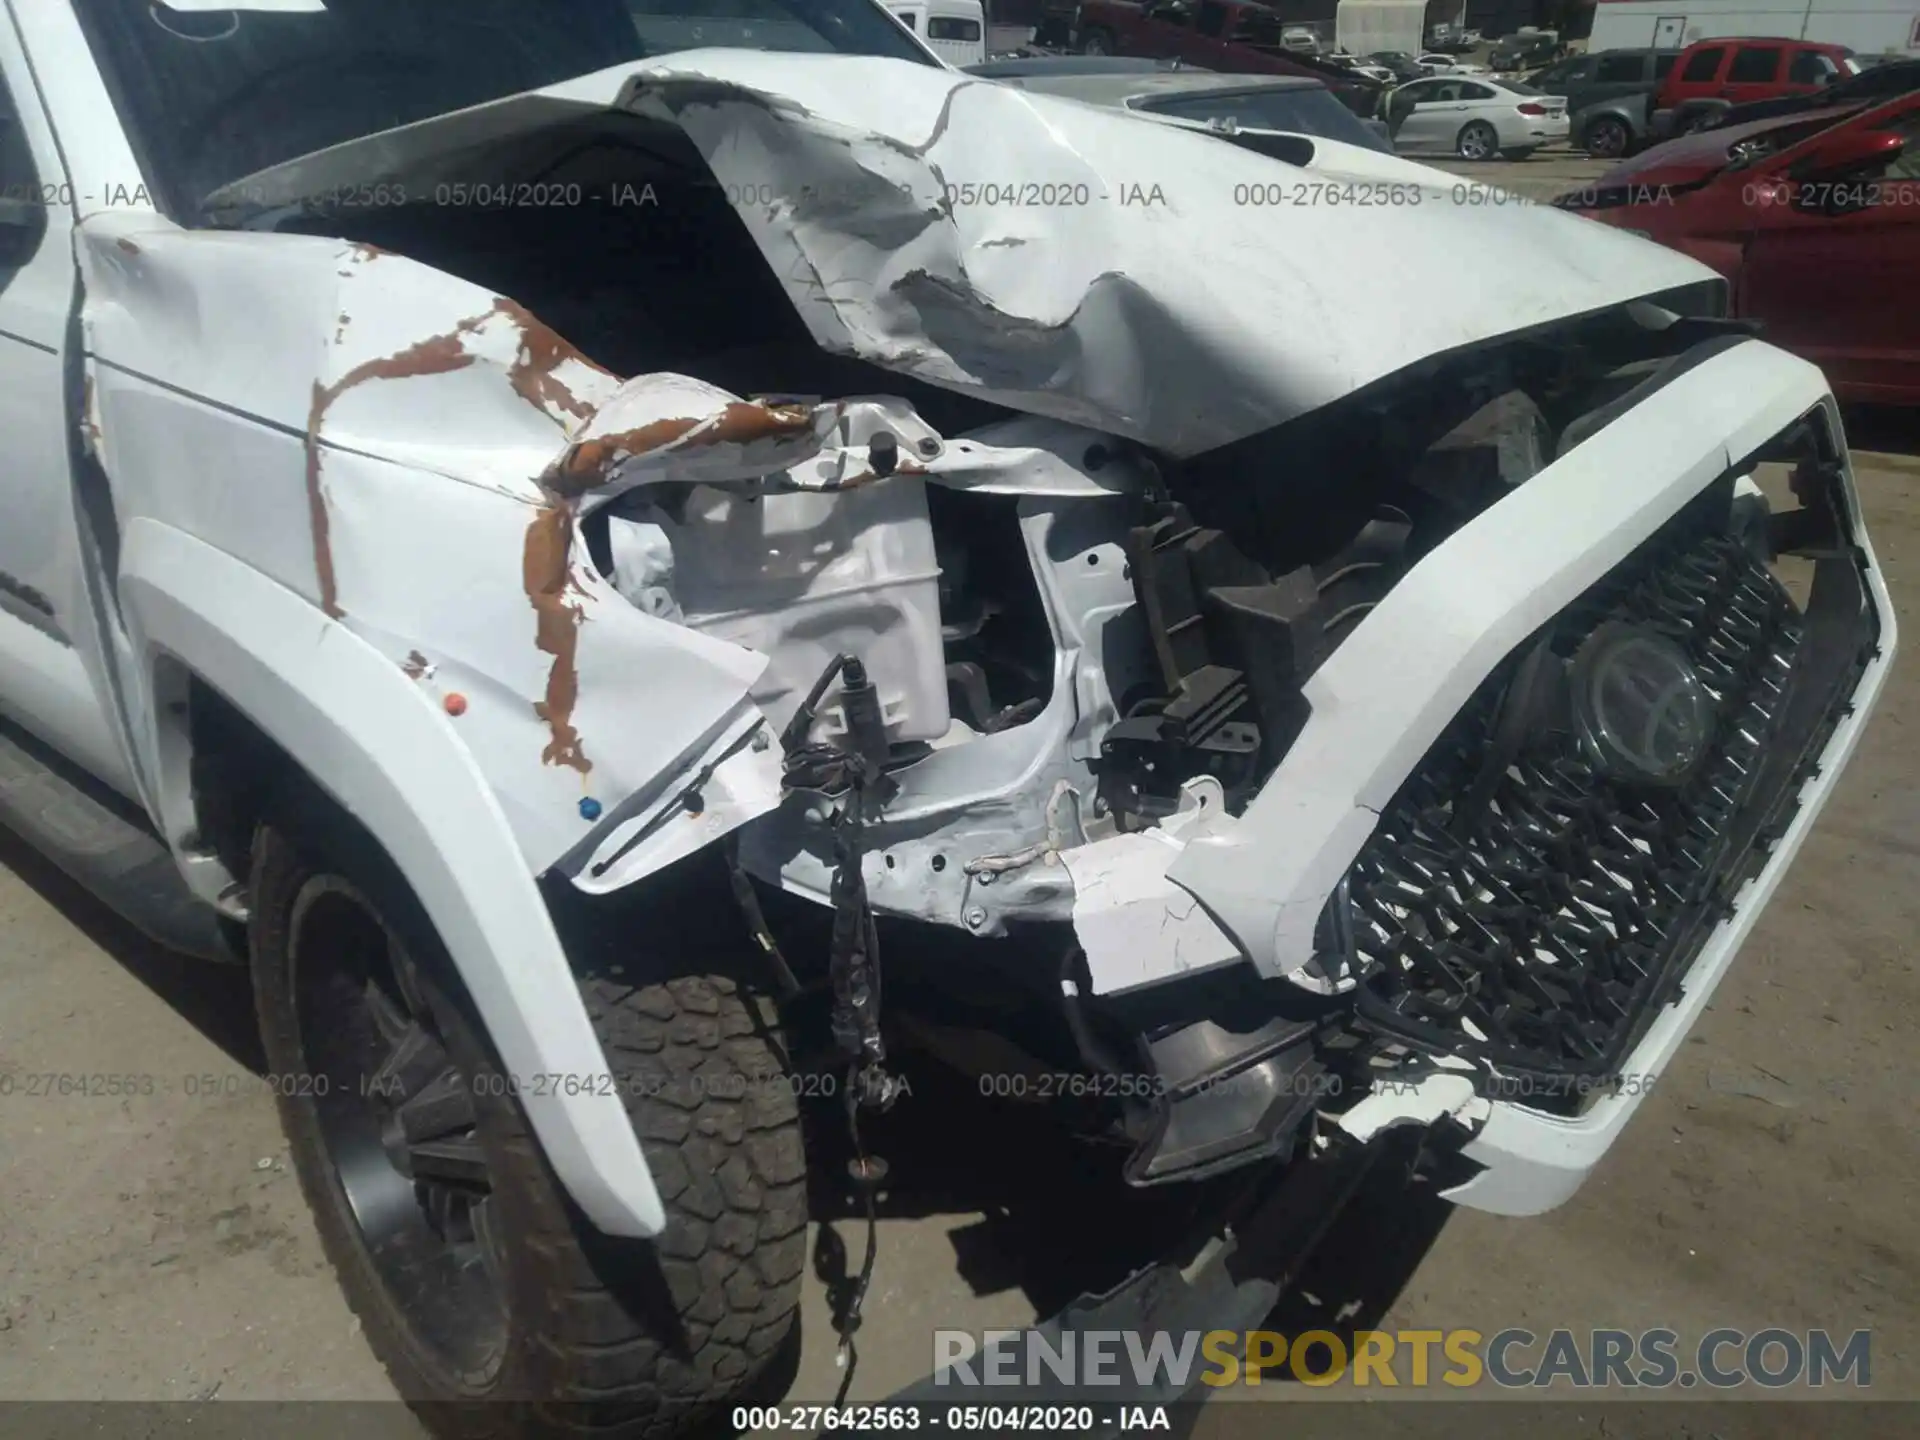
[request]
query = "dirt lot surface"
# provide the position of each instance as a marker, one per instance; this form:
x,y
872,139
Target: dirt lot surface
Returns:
x,y
156,1247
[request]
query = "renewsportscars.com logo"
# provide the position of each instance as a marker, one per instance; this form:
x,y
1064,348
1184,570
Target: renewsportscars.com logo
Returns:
x,y
1512,1359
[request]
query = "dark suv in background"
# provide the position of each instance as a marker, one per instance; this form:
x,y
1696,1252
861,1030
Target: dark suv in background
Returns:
x,y
1587,79
1606,96
1525,52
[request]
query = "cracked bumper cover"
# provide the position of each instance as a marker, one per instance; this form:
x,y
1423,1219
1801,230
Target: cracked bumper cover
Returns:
x,y
1261,879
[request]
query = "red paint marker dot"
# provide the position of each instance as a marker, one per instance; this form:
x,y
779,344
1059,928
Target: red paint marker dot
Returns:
x,y
456,703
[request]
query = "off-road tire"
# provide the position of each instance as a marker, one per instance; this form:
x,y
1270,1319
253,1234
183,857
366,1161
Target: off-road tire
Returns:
x,y
620,1337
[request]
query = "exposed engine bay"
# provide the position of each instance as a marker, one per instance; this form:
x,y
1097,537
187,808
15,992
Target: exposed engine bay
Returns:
x,y
1014,662
1244,566
1023,659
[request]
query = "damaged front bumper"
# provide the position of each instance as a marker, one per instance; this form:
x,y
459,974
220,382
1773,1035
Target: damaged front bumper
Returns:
x,y
1495,989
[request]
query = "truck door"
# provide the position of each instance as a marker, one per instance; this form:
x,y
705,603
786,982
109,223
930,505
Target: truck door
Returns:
x,y
1209,43
48,651
1754,73
1165,32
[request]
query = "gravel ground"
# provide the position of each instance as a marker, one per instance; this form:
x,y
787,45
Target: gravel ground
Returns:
x,y
156,1247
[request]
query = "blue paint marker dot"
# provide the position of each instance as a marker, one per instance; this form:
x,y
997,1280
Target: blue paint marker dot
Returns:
x,y
589,809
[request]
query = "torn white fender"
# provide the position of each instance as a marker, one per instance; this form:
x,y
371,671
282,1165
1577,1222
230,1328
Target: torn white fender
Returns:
x,y
368,735
385,431
673,427
1136,926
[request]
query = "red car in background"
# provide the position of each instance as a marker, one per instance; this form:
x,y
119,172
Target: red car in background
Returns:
x,y
1815,219
1710,77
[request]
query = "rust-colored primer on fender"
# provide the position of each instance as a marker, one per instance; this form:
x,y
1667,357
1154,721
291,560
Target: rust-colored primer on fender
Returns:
x,y
435,356
547,551
587,464
546,568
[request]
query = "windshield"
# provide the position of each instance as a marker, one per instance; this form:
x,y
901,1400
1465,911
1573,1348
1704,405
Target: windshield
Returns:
x,y
1299,110
209,96
1259,27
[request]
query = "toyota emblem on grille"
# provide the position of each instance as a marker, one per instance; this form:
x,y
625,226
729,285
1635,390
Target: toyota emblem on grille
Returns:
x,y
1639,705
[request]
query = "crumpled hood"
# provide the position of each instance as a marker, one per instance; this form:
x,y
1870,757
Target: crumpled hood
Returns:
x,y
1074,261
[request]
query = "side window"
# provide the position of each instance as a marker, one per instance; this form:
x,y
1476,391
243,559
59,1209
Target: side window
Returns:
x,y
1810,67
1619,69
1212,19
18,181
1754,64
1470,91
1663,66
1703,64
905,17
943,27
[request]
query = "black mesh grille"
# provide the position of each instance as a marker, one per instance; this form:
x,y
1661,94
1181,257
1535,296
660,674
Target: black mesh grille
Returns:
x,y
1538,931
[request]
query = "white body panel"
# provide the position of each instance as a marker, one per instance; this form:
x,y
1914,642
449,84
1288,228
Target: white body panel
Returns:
x,y
790,576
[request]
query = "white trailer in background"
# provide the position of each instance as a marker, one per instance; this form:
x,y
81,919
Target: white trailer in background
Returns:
x,y
955,30
1367,27
1868,27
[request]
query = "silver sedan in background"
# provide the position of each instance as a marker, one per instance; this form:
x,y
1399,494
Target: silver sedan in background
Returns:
x,y
1243,108
1475,117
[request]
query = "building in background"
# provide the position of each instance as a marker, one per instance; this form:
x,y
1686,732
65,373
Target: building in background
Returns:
x,y
1868,27
1496,19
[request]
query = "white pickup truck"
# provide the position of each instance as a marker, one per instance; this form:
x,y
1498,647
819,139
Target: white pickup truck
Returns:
x,y
1041,545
